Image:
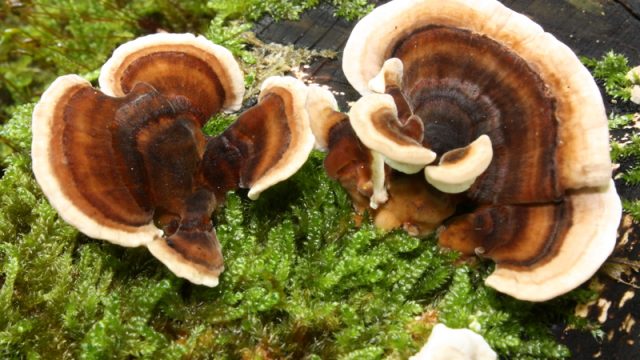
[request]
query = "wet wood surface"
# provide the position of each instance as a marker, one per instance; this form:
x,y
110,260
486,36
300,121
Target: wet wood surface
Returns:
x,y
591,28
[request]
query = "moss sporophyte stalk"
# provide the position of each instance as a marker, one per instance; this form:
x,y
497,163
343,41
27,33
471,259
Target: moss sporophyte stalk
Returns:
x,y
301,280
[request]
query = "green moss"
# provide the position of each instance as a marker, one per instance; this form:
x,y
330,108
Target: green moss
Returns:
x,y
468,304
632,208
612,70
47,38
619,121
290,10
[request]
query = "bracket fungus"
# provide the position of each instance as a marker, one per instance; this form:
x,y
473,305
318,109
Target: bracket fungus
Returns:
x,y
130,164
517,124
396,199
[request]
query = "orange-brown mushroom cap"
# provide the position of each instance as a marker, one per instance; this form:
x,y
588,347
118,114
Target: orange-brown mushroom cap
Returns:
x,y
541,251
125,170
176,65
78,174
267,144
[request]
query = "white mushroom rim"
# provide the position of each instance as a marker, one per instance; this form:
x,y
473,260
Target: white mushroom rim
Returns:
x,y
42,123
459,168
390,74
302,139
195,273
320,102
375,113
455,344
228,68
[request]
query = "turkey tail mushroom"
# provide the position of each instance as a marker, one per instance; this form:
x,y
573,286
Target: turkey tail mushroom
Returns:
x,y
475,70
131,165
267,144
163,60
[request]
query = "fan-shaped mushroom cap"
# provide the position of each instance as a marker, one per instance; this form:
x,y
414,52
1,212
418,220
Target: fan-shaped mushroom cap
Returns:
x,y
324,114
459,168
455,344
116,167
374,118
176,64
359,170
500,49
267,144
541,251
293,93
80,177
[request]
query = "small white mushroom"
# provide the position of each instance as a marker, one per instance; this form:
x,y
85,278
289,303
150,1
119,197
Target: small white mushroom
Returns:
x,y
459,168
455,344
374,118
634,75
635,94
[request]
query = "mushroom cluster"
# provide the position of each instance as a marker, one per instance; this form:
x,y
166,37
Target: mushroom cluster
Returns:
x,y
130,164
476,122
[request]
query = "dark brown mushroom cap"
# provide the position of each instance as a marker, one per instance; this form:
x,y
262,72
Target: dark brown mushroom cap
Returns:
x,y
473,67
541,251
116,168
192,251
177,65
267,144
74,163
360,171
